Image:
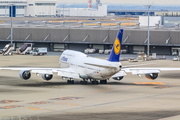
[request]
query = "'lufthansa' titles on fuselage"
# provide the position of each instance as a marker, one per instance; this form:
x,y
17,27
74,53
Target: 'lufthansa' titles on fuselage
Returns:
x,y
64,59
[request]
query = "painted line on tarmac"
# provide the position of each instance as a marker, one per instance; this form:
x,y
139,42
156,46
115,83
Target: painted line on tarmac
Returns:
x,y
9,101
101,104
39,103
66,103
32,108
161,87
149,83
67,98
10,107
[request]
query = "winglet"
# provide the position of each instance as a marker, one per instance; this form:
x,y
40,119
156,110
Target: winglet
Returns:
x,y
116,50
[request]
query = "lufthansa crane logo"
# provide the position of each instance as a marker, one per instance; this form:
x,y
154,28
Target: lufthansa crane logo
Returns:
x,y
117,47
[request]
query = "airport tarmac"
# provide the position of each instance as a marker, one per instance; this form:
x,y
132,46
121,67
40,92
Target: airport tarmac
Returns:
x,y
134,97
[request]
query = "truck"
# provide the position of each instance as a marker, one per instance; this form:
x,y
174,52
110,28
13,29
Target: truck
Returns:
x,y
39,51
91,51
25,49
8,49
0,51
176,54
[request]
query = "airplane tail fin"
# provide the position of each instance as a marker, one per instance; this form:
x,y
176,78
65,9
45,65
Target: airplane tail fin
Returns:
x,y
116,50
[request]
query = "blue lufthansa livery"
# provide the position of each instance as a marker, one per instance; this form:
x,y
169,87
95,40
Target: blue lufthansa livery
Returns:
x,y
116,50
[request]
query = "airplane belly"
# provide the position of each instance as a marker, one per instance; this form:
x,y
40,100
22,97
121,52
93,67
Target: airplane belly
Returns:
x,y
107,74
82,74
94,74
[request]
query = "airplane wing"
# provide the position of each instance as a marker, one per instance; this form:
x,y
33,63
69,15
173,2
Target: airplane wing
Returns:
x,y
65,72
129,66
136,71
140,71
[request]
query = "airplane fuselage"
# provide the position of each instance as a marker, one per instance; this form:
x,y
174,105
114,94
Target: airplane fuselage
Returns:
x,y
88,67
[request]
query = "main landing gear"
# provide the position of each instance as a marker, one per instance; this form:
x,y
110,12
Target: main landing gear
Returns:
x,y
103,81
94,82
83,82
71,81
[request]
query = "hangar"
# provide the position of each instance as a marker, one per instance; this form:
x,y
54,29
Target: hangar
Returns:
x,y
59,38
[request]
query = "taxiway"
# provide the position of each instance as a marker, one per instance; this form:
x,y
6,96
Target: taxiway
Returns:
x,y
132,98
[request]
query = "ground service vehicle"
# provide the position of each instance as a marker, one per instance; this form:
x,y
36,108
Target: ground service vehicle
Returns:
x,y
8,50
39,51
176,54
25,49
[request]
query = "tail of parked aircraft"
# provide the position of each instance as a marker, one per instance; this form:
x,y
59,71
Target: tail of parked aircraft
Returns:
x,y
116,50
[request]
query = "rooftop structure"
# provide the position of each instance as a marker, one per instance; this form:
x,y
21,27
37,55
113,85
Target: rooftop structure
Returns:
x,y
22,8
89,3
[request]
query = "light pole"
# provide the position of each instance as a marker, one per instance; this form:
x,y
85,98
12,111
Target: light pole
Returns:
x,y
63,10
11,24
148,6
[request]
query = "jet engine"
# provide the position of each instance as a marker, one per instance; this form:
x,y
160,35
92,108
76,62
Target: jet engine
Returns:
x,y
25,74
47,76
151,76
118,78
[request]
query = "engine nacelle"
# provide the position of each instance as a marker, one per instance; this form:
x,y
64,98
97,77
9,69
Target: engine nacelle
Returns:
x,y
151,76
25,74
118,78
47,76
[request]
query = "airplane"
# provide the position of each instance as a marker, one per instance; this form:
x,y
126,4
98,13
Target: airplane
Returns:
x,y
77,65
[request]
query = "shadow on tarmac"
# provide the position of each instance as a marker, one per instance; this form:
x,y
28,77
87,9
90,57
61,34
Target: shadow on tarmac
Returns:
x,y
170,75
138,115
61,84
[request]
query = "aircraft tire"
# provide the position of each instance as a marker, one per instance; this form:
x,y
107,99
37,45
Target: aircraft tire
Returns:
x,y
81,82
103,81
97,82
68,81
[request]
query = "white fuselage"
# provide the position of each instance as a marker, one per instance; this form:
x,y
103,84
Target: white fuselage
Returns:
x,y
88,67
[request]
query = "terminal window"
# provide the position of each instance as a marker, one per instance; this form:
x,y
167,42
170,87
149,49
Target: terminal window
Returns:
x,y
20,7
2,7
45,4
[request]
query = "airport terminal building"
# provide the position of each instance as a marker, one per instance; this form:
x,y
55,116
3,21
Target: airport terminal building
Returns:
x,y
31,8
60,38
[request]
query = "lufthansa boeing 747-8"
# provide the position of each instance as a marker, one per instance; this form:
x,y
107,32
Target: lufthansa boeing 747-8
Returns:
x,y
77,65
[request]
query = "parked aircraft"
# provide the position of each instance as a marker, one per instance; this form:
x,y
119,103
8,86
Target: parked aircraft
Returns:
x,y
77,65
